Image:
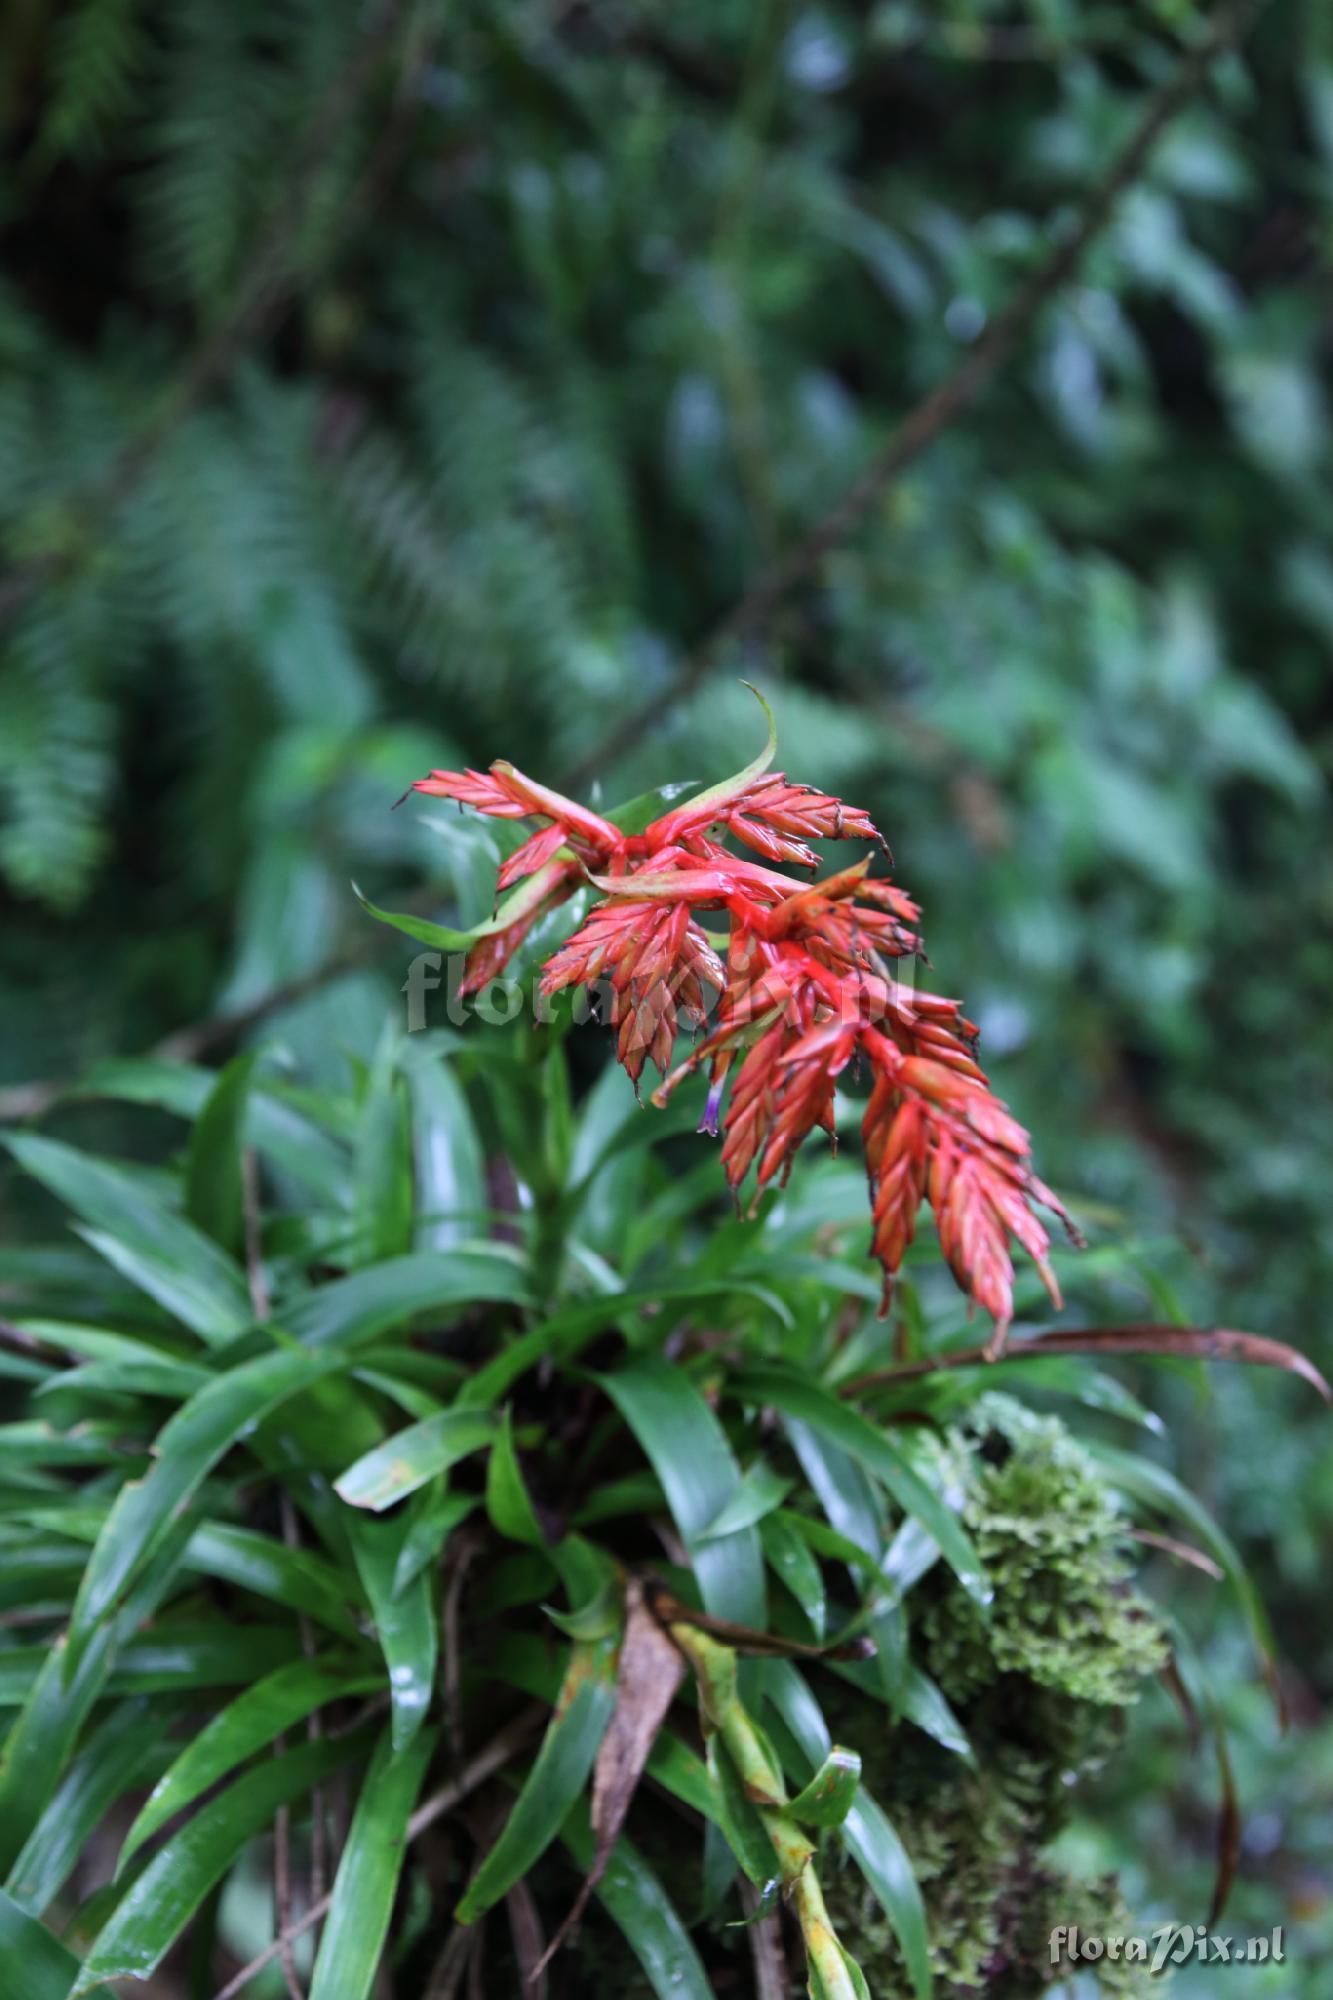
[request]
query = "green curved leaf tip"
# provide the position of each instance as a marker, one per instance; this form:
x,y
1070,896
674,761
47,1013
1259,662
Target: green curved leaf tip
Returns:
x,y
725,787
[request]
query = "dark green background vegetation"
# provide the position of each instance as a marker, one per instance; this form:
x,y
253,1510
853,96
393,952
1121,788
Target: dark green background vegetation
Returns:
x,y
387,385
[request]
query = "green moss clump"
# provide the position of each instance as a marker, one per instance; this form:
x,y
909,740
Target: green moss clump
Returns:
x,y
1053,1542
991,1902
1041,1690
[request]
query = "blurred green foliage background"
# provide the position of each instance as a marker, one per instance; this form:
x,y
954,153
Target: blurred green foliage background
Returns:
x,y
386,385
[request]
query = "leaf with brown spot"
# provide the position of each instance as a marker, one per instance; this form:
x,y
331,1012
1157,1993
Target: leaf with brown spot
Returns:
x,y
651,1670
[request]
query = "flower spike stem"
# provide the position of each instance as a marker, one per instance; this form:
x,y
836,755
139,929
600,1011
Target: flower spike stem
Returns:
x,y
714,1668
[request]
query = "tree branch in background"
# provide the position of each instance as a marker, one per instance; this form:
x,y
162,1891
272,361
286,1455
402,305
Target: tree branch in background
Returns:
x,y
937,410
202,1038
919,428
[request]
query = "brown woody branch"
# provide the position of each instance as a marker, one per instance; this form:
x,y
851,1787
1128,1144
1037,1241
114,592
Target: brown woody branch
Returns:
x,y
941,407
919,428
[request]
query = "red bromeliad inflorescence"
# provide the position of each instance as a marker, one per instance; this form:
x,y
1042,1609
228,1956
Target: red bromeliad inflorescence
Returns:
x,y
804,985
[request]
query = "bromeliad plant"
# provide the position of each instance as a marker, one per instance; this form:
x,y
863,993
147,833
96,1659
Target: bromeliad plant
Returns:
x,y
431,1516
806,984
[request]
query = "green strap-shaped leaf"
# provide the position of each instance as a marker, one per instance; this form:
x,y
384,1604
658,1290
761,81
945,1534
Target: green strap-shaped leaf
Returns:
x,y
405,1621
155,1249
924,1704
160,1902
354,1311
762,1491
450,1168
869,1837
214,1165
639,1906
1152,1484
37,1445
298,1578
98,1345
250,1723
528,895
126,1750
56,1700
205,1655
367,1878
791,1559
827,1799
187,1449
558,1775
854,1508
507,1500
412,1457
426,1534
34,1964
274,1126
876,1452
160,1376
382,1160
716,797
685,1446
560,1338
738,1816
633,815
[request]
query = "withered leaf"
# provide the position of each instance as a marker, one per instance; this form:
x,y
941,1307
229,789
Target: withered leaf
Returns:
x,y
1228,1826
1174,1682
1184,1552
1203,1343
649,1674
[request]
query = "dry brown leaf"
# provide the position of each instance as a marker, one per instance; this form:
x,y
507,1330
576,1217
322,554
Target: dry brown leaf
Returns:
x,y
1202,1343
650,1672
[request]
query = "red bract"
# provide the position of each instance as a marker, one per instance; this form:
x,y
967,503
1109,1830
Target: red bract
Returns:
x,y
806,986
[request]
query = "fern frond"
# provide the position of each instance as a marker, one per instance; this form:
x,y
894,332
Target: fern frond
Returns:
x,y
100,50
56,764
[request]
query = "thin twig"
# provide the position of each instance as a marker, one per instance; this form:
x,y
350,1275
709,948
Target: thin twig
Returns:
x,y
33,1614
282,1892
937,410
529,1941
202,1038
220,1031
446,1975
771,1978
19,1341
502,1747
467,1547
319,1831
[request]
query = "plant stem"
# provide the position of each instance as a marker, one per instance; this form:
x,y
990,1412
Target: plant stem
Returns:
x,y
715,1671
